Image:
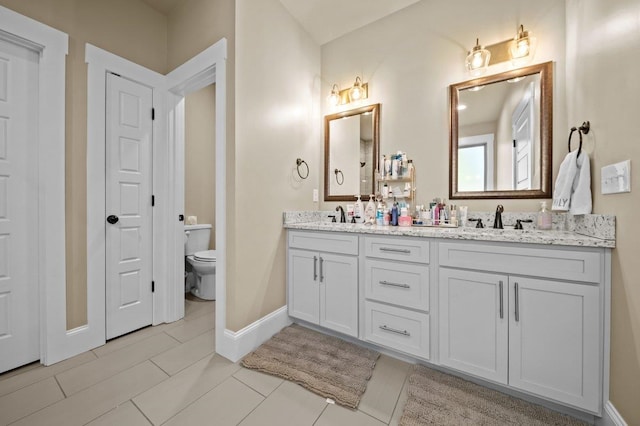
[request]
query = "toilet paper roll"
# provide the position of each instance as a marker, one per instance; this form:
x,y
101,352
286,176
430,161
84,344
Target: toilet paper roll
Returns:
x,y
192,220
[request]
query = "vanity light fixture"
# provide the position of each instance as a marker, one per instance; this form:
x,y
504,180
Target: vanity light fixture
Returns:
x,y
477,60
357,92
519,50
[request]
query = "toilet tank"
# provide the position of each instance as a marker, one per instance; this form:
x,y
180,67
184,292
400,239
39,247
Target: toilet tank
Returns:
x,y
196,238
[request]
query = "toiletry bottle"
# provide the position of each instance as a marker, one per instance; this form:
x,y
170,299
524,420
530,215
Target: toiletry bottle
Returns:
x,y
394,213
405,165
394,168
380,214
358,210
544,217
383,172
370,210
387,167
410,168
386,217
385,191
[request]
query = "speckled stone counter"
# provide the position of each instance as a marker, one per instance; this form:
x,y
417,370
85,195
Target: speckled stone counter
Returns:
x,y
580,231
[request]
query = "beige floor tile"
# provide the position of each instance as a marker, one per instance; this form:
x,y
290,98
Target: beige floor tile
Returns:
x,y
172,395
40,372
290,404
195,307
28,400
88,374
184,355
135,337
91,403
259,382
384,388
227,404
397,412
335,415
20,370
192,327
125,414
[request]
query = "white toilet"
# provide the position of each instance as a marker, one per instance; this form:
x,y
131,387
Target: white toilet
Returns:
x,y
202,261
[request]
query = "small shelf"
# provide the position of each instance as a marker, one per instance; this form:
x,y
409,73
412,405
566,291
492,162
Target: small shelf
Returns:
x,y
401,181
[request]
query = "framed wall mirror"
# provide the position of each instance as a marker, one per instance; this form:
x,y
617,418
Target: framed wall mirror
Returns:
x,y
500,135
351,146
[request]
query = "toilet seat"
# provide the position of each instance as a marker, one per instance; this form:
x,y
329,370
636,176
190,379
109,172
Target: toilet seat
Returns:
x,y
205,256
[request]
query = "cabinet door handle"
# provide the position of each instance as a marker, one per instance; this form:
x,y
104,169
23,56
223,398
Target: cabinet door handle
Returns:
x,y
315,268
321,269
401,285
395,330
517,311
395,250
501,302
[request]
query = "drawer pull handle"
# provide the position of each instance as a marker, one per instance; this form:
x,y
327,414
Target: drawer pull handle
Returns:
x,y
394,330
517,296
321,271
501,302
315,268
401,285
395,250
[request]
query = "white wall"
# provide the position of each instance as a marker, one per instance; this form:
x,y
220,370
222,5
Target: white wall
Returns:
x,y
277,121
411,57
603,41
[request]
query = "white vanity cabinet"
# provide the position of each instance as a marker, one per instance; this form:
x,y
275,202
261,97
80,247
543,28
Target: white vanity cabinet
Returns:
x,y
323,280
396,293
527,317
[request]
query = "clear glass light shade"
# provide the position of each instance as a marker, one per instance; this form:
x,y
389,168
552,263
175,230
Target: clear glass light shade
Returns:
x,y
478,60
357,91
334,97
522,48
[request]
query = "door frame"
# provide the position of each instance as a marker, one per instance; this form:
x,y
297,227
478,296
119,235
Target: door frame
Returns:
x,y
52,46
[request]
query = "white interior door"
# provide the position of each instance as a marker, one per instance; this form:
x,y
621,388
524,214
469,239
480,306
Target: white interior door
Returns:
x,y
19,307
522,123
128,206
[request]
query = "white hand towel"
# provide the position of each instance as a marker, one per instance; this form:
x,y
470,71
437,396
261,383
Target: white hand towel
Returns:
x,y
581,190
564,182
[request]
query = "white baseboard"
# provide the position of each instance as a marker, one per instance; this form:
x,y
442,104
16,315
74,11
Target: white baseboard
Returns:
x,y
239,343
611,416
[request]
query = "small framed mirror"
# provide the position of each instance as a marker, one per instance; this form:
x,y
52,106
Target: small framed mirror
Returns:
x,y
500,135
351,146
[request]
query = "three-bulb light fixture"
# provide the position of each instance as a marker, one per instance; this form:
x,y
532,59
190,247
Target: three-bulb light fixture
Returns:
x,y
358,91
519,51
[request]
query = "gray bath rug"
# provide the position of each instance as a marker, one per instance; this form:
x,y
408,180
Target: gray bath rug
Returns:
x,y
436,398
323,364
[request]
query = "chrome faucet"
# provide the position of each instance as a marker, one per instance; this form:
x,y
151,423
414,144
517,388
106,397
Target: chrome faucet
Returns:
x,y
497,222
342,218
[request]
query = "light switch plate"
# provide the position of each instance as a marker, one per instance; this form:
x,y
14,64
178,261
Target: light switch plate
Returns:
x,y
616,178
315,196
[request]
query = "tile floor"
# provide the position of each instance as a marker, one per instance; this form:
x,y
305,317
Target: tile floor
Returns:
x,y
170,375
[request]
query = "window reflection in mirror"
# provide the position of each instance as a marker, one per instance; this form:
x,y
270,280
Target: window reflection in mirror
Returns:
x,y
500,136
351,147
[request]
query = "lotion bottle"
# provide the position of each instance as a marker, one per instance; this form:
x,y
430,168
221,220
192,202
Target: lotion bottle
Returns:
x,y
370,210
359,210
544,217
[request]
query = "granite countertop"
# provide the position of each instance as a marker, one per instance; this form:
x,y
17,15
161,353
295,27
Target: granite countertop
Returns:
x,y
527,236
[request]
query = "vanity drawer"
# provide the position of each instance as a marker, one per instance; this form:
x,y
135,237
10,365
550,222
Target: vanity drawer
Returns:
x,y
324,241
402,284
406,249
576,265
397,328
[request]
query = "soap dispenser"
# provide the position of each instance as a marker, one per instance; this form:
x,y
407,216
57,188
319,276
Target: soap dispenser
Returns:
x,y
359,210
544,220
370,210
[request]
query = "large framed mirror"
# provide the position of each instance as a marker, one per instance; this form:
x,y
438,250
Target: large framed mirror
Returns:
x,y
351,146
500,135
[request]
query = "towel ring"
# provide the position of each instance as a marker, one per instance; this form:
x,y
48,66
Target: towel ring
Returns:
x,y
300,162
584,129
340,179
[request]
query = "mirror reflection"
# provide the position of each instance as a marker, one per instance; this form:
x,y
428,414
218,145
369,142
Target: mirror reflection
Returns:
x,y
351,151
501,135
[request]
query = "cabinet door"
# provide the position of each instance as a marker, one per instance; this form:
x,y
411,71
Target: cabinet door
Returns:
x,y
474,323
339,293
303,300
554,341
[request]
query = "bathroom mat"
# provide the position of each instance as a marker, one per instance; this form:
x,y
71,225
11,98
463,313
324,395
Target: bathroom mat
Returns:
x,y
437,398
326,365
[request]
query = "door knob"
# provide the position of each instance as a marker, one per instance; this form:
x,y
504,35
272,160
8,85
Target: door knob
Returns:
x,y
112,219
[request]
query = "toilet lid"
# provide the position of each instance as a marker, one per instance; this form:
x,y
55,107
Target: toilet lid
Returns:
x,y
205,256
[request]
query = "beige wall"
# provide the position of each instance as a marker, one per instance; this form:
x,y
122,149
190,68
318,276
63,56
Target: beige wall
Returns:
x,y
128,28
277,120
411,57
603,38
200,157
